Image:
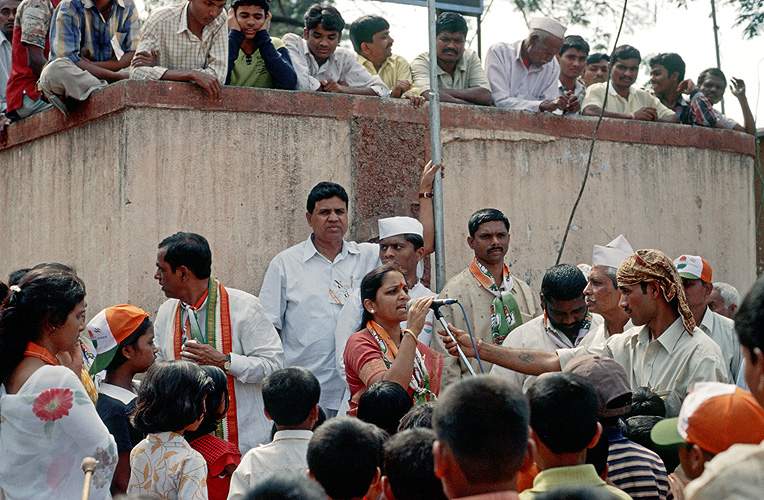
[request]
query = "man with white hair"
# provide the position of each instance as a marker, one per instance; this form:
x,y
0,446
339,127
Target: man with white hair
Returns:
x,y
401,242
724,299
524,74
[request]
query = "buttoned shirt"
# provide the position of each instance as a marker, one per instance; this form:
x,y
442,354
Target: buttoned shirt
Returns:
x,y
79,30
303,293
636,100
167,33
349,322
255,352
476,301
5,67
393,68
285,455
468,73
584,474
722,331
536,334
516,86
600,334
669,365
342,65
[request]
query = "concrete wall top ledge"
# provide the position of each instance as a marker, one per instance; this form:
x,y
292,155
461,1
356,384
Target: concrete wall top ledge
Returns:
x,y
175,95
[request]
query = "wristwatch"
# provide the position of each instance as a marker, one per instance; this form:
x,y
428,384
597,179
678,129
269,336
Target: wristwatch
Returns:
x,y
227,362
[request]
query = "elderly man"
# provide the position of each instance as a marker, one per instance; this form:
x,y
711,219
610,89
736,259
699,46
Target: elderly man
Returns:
x,y
724,299
461,79
696,274
470,460
664,351
496,302
566,321
524,74
213,325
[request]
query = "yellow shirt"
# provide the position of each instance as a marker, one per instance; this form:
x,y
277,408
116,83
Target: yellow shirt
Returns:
x,y
393,69
638,99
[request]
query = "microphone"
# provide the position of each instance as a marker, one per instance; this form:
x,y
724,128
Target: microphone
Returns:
x,y
435,303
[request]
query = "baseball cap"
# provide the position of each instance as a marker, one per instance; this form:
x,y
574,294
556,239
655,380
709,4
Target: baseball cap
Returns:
x,y
609,380
110,327
693,267
714,416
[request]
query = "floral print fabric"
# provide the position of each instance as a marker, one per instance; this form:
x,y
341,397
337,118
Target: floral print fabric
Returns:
x,y
46,429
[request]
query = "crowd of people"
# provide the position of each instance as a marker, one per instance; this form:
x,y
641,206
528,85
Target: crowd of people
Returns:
x,y
624,377
58,52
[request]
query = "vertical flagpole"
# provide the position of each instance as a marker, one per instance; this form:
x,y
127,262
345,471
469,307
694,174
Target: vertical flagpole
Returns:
x,y
437,187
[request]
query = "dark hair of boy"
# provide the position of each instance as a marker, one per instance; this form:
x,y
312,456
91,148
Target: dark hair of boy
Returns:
x,y
409,467
171,397
325,15
363,29
286,487
384,404
290,396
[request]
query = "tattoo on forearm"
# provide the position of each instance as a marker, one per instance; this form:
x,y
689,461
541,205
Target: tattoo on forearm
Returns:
x,y
525,357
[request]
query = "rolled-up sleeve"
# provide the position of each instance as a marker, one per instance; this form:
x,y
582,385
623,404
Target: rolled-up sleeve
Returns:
x,y
420,72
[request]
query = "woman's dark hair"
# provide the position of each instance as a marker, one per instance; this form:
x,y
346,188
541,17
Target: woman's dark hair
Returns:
x,y
45,295
370,284
171,397
215,397
131,340
384,404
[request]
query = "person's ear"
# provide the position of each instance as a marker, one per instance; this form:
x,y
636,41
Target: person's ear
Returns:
x,y
440,457
369,305
305,33
471,242
266,414
596,437
530,455
127,351
419,253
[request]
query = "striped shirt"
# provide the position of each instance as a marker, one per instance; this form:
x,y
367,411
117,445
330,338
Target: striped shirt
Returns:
x,y
635,469
79,30
166,32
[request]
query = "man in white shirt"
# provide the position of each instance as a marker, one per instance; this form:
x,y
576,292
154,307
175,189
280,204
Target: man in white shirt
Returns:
x,y
572,60
7,18
524,74
291,401
401,242
307,284
696,275
321,65
213,325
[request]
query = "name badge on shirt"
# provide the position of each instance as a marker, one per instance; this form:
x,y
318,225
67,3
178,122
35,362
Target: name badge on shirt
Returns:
x,y
339,292
116,46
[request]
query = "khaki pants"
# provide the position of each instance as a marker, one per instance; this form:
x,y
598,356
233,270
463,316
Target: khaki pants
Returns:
x,y
64,78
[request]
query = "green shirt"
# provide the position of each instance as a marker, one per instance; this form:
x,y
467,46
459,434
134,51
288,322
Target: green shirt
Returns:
x,y
253,73
583,475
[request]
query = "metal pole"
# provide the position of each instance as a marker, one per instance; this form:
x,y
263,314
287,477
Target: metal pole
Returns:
x,y
437,187
716,40
480,39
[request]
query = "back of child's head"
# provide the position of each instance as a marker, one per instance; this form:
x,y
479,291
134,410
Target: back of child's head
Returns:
x,y
290,394
216,404
171,397
384,404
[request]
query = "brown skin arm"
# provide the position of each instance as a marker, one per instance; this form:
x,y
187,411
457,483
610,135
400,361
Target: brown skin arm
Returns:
x,y
121,474
116,64
526,361
99,72
35,58
474,95
338,88
426,215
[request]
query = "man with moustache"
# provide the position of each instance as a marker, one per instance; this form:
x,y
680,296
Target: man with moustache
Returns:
x,y
564,324
374,49
665,351
713,83
524,74
495,301
625,101
596,69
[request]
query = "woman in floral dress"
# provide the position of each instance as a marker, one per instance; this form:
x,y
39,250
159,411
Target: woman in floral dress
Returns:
x,y
48,424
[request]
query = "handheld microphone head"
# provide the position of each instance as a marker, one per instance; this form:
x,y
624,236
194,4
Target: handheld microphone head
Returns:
x,y
435,303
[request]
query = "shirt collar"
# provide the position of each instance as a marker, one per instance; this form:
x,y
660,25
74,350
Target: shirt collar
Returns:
x,y
310,249
292,434
707,325
118,393
673,334
3,38
183,21
87,4
612,91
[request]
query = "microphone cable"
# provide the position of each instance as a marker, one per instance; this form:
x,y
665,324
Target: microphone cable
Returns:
x,y
472,339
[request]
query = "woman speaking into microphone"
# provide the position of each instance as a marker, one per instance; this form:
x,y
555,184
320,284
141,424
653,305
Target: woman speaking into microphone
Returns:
x,y
383,349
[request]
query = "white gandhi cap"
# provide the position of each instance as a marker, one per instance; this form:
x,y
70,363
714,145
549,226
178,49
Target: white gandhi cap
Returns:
x,y
612,254
393,226
549,25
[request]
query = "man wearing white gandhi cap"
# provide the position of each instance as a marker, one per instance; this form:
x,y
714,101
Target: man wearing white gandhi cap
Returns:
x,y
602,293
524,74
400,242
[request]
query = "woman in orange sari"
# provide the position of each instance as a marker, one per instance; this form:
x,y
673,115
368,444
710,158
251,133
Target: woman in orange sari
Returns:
x,y
386,349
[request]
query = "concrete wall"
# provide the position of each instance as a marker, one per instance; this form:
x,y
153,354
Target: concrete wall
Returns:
x,y
142,160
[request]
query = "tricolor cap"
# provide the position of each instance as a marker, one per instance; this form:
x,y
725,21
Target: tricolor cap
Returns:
x,y
110,327
714,416
549,25
693,267
612,254
393,226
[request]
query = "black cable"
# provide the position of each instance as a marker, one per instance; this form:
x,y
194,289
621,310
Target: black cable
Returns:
x,y
594,137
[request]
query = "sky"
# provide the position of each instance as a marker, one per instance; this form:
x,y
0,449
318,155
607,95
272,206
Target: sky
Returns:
x,y
665,28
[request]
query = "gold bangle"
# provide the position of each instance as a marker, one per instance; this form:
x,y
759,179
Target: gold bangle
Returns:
x,y
410,333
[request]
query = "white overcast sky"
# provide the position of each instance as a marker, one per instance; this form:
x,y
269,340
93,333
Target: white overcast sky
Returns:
x,y
668,28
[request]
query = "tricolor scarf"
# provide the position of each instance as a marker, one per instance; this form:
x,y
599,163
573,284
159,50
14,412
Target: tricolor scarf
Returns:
x,y
218,329
554,334
37,351
420,379
505,313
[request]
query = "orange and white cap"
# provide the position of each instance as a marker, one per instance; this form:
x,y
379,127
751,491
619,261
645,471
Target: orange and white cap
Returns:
x,y
694,267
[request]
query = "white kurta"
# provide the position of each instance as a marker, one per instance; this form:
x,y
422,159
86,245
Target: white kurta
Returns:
x,y
536,335
349,321
669,365
342,65
256,352
513,85
303,294
722,331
